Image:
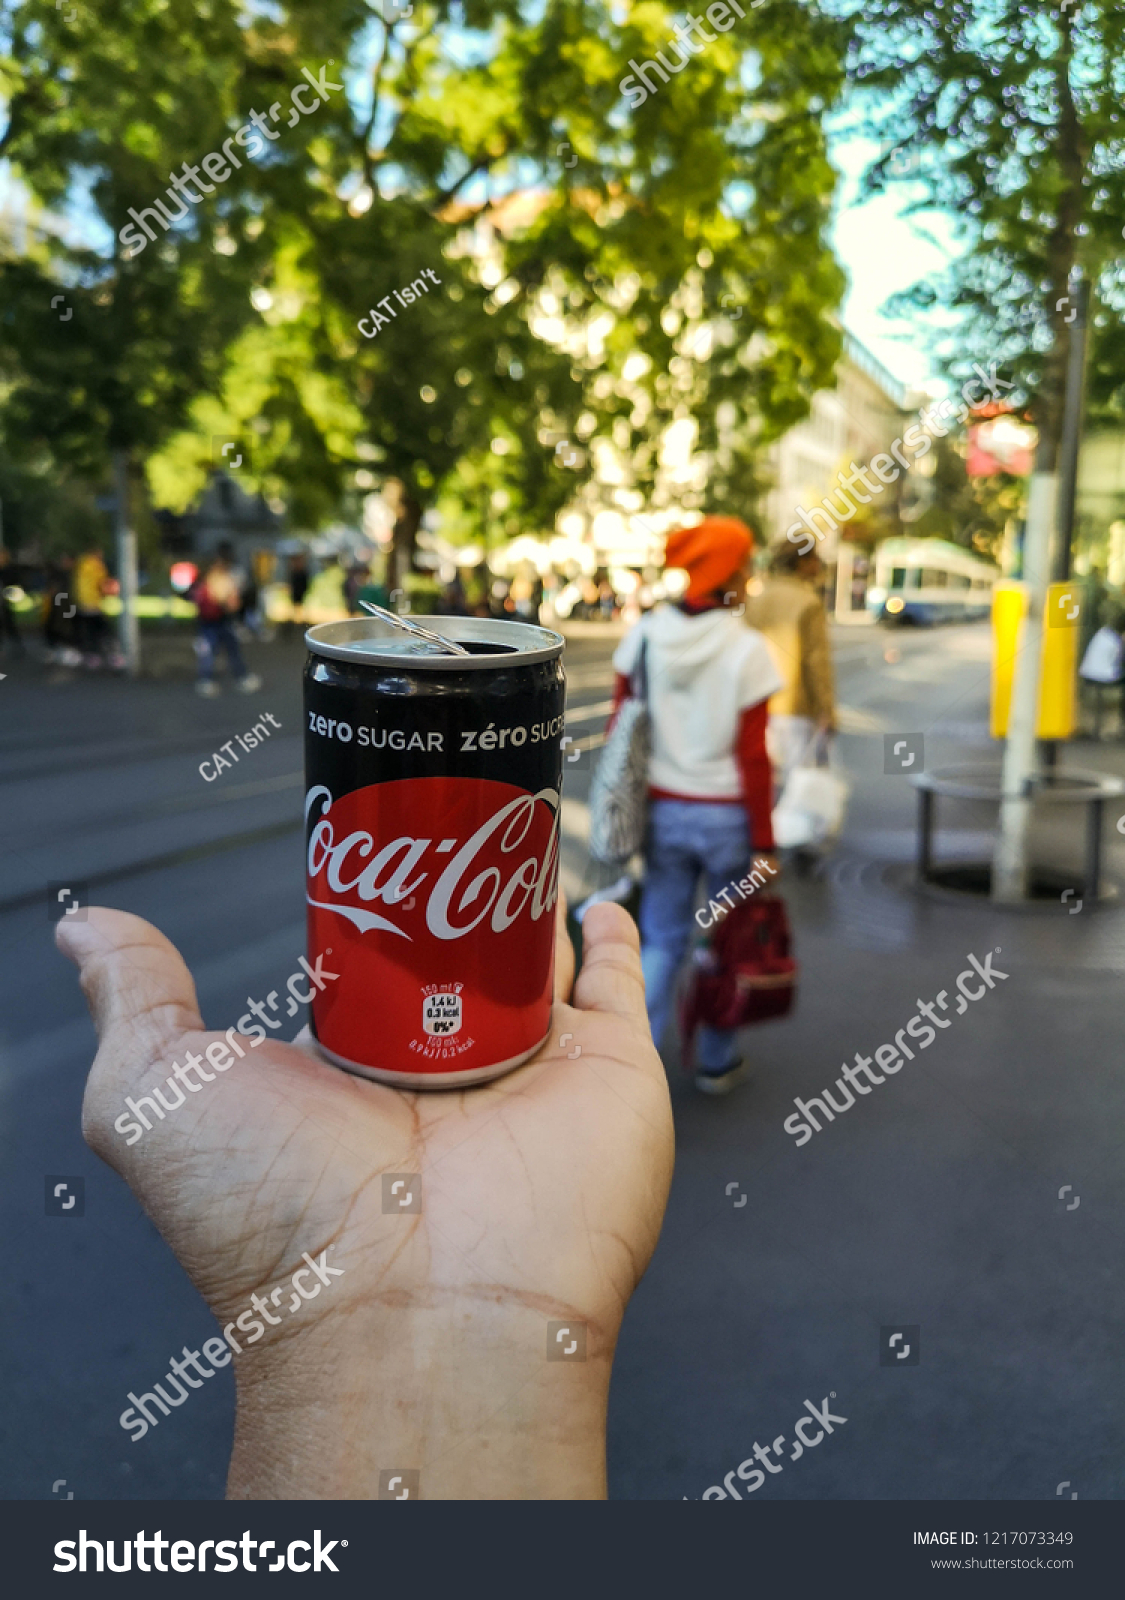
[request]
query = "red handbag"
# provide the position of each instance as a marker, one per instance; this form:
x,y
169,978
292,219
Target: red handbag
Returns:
x,y
743,973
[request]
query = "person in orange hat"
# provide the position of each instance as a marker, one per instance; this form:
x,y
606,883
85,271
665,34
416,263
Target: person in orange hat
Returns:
x,y
709,678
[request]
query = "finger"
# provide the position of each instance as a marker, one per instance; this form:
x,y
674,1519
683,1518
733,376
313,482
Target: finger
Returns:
x,y
140,993
564,953
611,979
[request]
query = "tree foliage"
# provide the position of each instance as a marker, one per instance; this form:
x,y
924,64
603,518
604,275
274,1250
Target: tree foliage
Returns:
x,y
1013,111
604,271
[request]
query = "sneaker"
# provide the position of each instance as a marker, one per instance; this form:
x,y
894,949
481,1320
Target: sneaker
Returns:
x,y
250,684
208,689
722,1082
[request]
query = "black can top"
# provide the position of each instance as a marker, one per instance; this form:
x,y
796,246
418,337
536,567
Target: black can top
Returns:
x,y
369,641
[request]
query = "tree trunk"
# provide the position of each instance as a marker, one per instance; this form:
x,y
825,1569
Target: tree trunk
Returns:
x,y
403,540
126,565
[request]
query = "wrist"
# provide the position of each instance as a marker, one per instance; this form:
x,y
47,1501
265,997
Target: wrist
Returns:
x,y
466,1398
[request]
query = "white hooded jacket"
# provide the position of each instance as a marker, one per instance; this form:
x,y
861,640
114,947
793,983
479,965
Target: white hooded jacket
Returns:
x,y
703,672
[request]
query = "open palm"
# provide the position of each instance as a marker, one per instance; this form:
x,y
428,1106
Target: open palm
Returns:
x,y
541,1199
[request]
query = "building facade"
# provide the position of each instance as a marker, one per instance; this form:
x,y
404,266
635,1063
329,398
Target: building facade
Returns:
x,y
859,418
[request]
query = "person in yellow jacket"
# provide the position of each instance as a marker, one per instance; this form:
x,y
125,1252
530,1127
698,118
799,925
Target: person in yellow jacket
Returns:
x,y
786,608
90,582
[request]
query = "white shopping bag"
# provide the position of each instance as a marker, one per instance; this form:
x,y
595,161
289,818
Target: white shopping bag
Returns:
x,y
1102,662
811,808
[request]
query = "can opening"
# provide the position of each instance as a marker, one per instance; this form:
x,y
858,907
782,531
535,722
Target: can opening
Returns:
x,y
411,649
486,642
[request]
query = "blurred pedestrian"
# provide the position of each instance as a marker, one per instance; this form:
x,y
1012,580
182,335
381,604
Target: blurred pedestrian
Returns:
x,y
500,600
91,585
709,679
60,613
1103,667
298,579
357,576
217,597
522,596
246,587
251,613
787,610
9,628
454,601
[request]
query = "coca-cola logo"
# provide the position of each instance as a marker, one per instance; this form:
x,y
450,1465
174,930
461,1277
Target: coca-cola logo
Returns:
x,y
442,854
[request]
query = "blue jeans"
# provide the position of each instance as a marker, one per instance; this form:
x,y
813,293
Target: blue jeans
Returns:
x,y
211,636
686,839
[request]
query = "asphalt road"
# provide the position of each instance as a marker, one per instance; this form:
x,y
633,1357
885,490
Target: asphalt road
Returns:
x,y
933,1206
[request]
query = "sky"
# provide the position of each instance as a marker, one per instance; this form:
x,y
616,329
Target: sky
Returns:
x,y
882,252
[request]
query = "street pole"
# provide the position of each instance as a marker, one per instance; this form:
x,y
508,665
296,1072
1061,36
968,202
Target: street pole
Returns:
x,y
1071,440
126,565
1010,866
1069,444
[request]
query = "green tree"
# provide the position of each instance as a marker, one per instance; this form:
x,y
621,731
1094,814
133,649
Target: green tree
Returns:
x,y
684,233
45,512
105,346
1008,114
605,268
494,148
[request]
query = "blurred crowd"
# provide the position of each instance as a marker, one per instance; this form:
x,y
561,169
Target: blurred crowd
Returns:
x,y
67,595
56,611
526,596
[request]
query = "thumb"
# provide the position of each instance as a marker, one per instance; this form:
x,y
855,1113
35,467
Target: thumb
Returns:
x,y
611,979
140,993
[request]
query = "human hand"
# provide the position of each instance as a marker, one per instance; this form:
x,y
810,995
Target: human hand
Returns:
x,y
542,1198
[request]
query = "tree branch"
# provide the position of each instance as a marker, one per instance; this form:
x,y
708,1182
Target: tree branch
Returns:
x,y
376,85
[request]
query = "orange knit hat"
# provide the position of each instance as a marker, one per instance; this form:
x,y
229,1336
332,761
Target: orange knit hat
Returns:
x,y
711,552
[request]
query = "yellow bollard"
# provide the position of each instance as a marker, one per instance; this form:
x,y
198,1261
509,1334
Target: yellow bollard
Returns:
x,y
1058,664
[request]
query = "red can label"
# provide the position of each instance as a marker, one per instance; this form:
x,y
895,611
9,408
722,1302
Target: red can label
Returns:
x,y
435,894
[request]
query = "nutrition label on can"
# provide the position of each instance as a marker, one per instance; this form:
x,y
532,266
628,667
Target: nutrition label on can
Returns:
x,y
441,1010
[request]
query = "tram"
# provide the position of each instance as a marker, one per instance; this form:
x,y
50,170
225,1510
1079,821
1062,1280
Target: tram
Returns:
x,y
925,581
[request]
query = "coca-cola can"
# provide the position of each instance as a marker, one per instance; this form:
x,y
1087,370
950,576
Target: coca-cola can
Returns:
x,y
432,845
